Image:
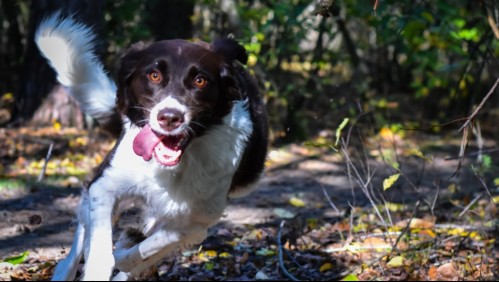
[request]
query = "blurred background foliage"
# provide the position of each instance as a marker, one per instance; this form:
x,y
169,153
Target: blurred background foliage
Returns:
x,y
403,63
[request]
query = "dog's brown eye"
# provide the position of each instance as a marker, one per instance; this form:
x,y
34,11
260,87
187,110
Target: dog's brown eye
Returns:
x,y
154,77
200,82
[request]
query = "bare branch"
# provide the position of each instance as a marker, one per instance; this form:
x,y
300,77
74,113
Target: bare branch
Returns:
x,y
47,158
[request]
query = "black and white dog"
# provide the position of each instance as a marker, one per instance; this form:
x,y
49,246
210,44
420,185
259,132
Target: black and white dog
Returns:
x,y
192,131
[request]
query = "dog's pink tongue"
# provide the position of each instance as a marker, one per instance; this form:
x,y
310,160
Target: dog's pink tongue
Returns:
x,y
144,143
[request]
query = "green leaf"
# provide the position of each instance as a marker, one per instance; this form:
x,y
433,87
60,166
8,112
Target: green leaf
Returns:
x,y
350,277
209,265
388,182
265,252
17,259
339,129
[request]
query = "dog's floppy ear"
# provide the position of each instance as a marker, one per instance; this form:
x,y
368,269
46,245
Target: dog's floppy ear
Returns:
x,y
128,63
230,72
230,50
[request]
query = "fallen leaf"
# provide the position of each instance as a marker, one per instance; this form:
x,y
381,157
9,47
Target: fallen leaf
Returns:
x,y
17,259
296,202
207,255
209,265
260,275
265,252
447,272
396,262
224,255
416,223
325,267
432,273
350,277
368,274
283,213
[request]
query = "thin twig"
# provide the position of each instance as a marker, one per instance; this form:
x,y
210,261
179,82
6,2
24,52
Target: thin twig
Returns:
x,y
281,260
364,185
467,227
480,106
47,158
329,200
297,263
406,227
485,151
435,199
481,181
469,205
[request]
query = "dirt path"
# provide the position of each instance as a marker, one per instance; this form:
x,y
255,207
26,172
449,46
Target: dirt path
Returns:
x,y
40,220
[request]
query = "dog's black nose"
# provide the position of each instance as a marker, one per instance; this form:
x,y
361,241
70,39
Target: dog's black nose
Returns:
x,y
170,119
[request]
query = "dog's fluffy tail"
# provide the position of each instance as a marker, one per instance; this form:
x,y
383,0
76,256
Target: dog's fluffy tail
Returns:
x,y
69,48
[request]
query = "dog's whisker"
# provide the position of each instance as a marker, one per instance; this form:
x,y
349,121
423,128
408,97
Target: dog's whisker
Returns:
x,y
142,108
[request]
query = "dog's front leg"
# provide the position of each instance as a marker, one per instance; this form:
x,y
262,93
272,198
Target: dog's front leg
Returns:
x,y
148,253
100,261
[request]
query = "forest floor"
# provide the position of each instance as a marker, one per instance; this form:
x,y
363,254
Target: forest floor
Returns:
x,y
392,208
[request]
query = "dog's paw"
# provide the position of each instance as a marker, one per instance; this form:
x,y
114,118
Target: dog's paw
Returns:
x,y
126,259
64,271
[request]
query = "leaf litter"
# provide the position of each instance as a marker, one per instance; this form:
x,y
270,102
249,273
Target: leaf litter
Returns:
x,y
298,240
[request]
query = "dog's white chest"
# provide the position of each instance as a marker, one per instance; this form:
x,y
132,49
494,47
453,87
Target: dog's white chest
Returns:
x,y
197,188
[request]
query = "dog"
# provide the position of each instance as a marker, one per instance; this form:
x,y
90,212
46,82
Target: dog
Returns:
x,y
191,132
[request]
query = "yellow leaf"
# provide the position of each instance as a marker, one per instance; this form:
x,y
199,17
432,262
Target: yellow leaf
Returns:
x,y
232,243
312,223
325,267
252,59
388,182
57,126
224,255
428,232
7,97
396,262
207,255
386,133
297,202
210,253
416,223
419,154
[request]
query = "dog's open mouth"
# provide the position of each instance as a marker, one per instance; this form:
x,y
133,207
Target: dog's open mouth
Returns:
x,y
167,149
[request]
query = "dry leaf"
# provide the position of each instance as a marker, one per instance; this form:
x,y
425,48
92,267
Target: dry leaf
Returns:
x,y
447,272
397,261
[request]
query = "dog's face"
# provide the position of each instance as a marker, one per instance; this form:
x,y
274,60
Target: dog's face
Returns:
x,y
176,90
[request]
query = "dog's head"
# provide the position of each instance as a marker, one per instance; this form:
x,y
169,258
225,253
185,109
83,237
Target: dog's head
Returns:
x,y
175,90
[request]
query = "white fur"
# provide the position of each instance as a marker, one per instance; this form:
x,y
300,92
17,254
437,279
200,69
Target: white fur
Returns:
x,y
179,204
171,103
68,46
